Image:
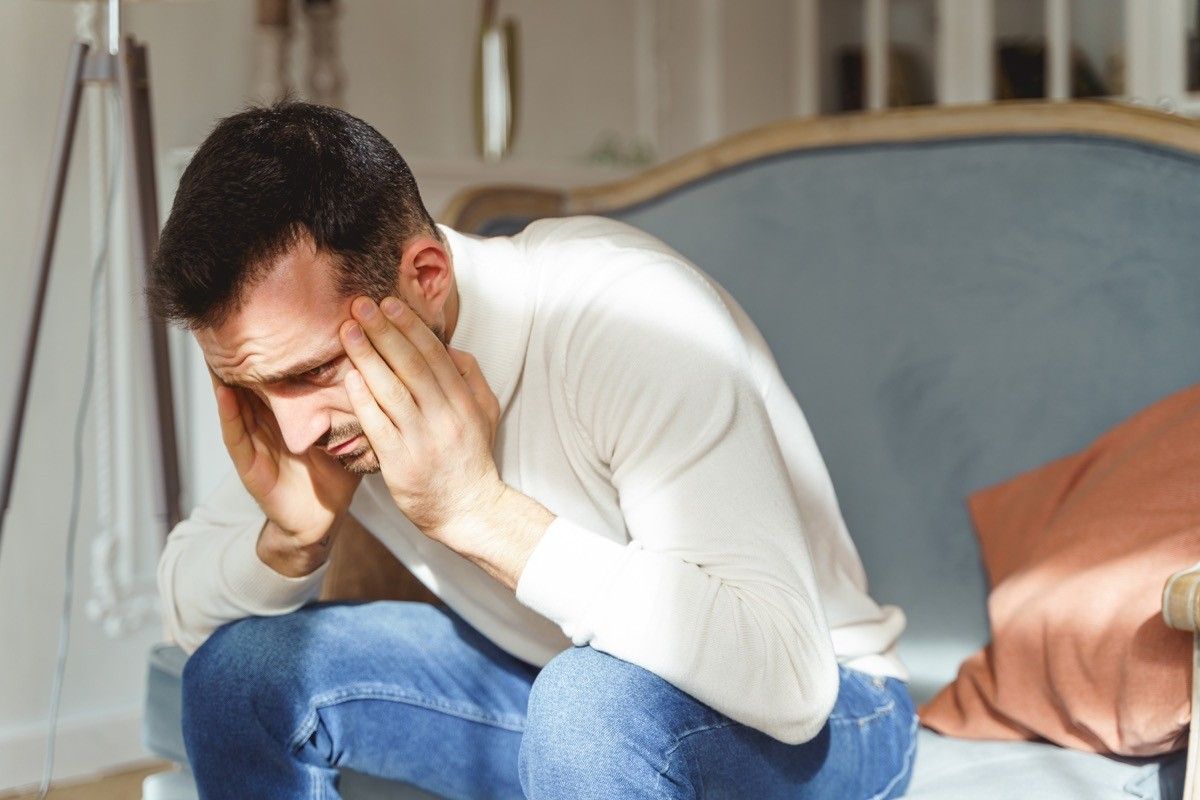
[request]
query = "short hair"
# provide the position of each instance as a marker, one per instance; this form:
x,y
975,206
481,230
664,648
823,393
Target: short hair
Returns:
x,y
264,180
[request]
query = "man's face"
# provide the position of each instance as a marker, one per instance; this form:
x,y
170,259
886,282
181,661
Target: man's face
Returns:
x,y
283,346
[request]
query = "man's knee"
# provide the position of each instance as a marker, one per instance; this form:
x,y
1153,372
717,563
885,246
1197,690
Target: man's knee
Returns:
x,y
207,671
246,668
588,712
213,698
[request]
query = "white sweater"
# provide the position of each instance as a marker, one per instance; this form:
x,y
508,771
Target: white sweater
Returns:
x,y
697,531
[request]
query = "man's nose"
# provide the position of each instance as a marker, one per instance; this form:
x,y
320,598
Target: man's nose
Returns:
x,y
301,421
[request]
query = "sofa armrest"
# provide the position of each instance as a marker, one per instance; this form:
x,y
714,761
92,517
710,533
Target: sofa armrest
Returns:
x,y
1181,600
1181,609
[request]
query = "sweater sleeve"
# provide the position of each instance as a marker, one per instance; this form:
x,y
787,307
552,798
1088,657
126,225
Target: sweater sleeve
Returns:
x,y
210,573
714,590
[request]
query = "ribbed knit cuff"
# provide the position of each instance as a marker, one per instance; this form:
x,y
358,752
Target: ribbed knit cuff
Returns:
x,y
262,589
566,575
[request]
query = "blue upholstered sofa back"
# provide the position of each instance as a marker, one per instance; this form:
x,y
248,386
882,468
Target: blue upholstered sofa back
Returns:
x,y
948,314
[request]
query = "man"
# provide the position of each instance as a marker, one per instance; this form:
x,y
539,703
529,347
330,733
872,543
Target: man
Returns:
x,y
572,436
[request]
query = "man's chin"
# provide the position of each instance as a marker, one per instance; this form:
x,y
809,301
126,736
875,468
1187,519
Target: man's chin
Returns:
x,y
361,463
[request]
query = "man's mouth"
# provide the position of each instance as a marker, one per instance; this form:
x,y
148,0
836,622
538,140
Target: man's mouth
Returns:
x,y
344,447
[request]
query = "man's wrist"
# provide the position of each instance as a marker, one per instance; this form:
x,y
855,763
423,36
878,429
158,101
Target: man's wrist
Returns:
x,y
279,550
500,538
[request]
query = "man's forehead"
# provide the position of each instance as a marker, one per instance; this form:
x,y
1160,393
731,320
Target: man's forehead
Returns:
x,y
258,363
252,371
285,324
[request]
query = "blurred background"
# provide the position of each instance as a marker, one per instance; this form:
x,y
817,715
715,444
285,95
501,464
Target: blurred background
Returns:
x,y
558,93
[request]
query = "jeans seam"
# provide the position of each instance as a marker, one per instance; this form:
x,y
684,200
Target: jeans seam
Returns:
x,y
887,708
678,742
309,723
906,766
884,710
880,711
319,781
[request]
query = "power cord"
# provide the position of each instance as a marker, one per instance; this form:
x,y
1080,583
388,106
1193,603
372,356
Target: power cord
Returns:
x,y
98,269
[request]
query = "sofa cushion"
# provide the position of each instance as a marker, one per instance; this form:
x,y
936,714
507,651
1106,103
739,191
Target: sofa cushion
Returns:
x,y
946,768
162,733
950,768
1076,552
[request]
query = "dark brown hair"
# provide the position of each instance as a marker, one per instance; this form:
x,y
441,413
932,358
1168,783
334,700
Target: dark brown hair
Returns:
x,y
268,178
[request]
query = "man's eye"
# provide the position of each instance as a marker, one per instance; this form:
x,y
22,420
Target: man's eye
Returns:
x,y
321,371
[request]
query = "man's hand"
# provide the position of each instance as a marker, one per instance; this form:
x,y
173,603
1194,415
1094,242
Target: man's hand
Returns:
x,y
304,497
431,419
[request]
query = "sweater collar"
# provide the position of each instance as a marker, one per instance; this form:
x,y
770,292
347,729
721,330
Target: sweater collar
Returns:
x,y
495,307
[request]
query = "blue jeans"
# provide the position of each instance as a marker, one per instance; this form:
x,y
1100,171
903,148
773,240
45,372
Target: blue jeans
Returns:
x,y
274,706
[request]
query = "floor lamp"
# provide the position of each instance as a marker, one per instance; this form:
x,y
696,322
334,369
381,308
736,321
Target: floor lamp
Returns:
x,y
125,65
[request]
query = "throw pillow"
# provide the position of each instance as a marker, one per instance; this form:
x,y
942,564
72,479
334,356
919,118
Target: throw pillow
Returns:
x,y
1077,552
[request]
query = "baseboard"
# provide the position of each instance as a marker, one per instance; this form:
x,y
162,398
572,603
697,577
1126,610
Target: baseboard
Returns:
x,y
86,746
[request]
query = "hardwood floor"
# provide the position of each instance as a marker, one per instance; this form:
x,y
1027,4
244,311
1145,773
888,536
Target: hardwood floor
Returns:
x,y
118,786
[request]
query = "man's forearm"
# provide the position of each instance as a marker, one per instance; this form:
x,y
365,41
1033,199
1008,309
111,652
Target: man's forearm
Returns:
x,y
279,551
501,539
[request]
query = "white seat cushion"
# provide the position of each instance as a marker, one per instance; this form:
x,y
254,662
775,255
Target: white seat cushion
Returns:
x,y
948,768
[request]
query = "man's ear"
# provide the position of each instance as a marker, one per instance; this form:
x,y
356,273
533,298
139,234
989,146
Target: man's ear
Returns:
x,y
426,275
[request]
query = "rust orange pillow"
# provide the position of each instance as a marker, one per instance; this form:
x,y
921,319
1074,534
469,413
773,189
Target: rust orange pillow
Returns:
x,y
1077,552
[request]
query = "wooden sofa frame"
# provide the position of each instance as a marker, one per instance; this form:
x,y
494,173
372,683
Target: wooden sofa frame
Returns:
x,y
362,568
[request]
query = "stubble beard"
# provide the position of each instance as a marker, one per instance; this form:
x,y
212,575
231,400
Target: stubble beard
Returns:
x,y
362,459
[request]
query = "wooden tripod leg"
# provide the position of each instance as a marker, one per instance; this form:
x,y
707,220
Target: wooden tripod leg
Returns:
x,y
133,78
60,161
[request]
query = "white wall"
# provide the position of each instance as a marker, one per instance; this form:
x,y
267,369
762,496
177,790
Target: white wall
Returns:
x,y
409,66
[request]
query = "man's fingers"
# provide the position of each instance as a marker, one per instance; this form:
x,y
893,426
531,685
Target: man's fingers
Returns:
x,y
233,427
378,427
418,335
402,356
245,400
266,427
468,367
390,394
227,407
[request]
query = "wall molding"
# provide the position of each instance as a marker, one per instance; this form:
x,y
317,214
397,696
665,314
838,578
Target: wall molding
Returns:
x,y
908,125
87,745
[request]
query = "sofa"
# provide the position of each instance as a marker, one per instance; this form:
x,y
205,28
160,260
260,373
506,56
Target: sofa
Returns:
x,y
954,295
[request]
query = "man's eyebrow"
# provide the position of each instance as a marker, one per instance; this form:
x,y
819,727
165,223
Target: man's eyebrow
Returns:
x,y
293,371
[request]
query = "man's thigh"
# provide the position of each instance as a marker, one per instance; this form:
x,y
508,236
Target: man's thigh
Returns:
x,y
405,691
865,751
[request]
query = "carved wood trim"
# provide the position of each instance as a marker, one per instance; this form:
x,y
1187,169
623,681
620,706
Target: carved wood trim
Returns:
x,y
473,208
906,125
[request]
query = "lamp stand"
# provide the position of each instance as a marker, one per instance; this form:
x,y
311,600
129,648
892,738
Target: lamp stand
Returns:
x,y
125,65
